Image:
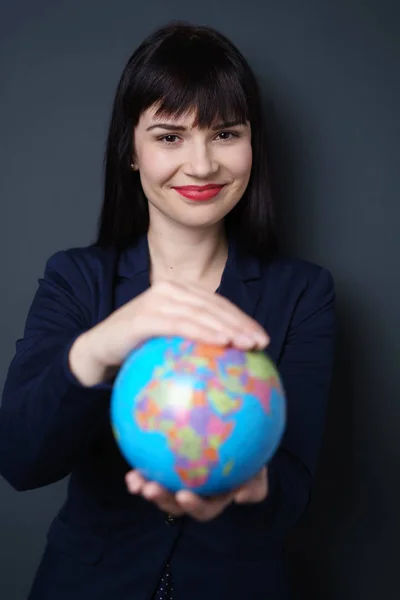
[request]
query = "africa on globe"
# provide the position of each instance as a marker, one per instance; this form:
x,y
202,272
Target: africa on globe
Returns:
x,y
194,416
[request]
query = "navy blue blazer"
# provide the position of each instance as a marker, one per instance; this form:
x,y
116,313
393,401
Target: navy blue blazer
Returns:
x,y
105,543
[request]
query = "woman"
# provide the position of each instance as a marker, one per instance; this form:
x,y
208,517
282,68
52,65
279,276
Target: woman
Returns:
x,y
186,247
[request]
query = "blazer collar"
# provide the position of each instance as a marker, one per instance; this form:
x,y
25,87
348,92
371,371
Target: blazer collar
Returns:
x,y
240,280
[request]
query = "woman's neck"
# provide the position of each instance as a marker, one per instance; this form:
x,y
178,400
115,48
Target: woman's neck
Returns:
x,y
188,256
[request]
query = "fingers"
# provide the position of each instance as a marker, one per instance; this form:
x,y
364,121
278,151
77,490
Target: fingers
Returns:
x,y
163,499
255,490
134,481
202,509
197,314
186,502
224,309
215,304
209,314
160,324
154,492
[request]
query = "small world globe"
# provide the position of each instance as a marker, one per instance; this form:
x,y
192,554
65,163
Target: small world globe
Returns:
x,y
195,416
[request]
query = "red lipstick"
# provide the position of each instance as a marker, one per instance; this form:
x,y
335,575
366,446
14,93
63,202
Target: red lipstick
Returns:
x,y
199,192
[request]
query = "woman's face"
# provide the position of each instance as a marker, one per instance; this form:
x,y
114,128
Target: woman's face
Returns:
x,y
171,154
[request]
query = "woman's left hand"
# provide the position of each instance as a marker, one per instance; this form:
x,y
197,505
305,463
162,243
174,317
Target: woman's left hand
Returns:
x,y
186,502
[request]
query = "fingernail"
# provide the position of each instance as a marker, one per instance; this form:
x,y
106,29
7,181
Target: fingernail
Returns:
x,y
133,487
184,497
245,340
263,339
149,494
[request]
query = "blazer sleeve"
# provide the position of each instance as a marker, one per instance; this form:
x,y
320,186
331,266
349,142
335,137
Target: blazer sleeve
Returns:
x,y
48,421
306,368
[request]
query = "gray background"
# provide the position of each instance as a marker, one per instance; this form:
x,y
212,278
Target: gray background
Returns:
x,y
330,74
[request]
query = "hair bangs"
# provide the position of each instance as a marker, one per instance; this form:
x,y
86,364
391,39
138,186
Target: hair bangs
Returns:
x,y
193,76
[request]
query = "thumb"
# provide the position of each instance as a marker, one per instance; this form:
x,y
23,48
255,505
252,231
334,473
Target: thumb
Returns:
x,y
254,490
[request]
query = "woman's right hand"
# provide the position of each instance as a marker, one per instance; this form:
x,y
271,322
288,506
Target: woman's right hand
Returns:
x,y
166,308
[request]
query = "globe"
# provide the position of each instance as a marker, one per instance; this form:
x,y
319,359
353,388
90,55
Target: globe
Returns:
x,y
195,416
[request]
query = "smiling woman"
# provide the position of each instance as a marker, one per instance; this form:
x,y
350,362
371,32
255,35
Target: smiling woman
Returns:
x,y
187,112
198,157
186,247
206,191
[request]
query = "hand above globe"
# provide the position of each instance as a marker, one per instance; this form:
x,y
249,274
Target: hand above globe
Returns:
x,y
166,308
185,502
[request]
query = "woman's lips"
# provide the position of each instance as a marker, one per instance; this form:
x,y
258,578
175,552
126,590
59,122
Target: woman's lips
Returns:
x,y
198,194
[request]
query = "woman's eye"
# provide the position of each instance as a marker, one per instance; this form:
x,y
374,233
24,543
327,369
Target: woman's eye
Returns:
x,y
167,138
233,134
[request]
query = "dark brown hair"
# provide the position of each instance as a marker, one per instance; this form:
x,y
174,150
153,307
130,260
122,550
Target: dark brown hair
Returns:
x,y
181,67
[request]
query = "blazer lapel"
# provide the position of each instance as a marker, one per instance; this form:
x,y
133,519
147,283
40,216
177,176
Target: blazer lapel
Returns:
x,y
240,282
133,276
241,279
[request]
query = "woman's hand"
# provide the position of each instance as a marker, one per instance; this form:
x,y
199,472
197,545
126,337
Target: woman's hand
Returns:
x,y
186,502
167,308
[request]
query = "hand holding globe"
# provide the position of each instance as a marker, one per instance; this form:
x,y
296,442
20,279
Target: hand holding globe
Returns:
x,y
204,320
197,418
198,507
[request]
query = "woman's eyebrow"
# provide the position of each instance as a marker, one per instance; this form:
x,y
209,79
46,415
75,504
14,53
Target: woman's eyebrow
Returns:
x,y
170,127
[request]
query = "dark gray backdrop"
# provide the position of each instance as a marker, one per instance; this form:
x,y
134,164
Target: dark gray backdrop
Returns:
x,y
330,73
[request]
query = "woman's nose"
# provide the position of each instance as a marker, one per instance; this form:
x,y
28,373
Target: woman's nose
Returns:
x,y
201,162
